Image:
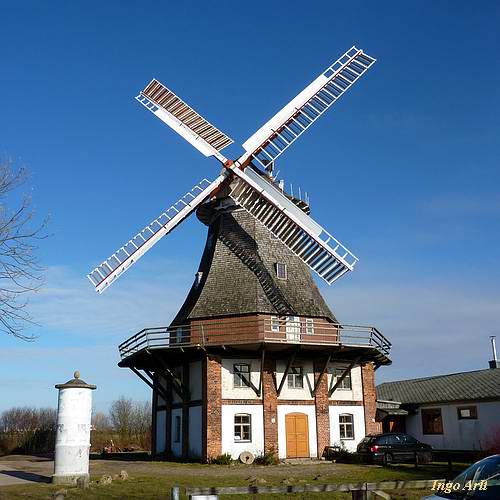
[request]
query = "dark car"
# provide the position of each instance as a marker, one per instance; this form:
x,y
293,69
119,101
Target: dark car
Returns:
x,y
394,447
481,481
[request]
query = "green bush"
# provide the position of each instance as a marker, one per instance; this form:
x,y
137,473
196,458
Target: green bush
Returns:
x,y
224,459
267,458
341,454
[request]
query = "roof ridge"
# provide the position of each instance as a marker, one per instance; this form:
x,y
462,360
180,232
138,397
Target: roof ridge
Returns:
x,y
432,377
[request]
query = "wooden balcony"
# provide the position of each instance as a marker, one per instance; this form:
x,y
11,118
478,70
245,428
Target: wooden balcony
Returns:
x,y
253,332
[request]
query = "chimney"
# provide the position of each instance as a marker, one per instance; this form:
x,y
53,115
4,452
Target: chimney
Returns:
x,y
494,363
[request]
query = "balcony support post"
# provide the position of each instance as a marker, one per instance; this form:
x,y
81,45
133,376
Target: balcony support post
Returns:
x,y
181,390
321,375
148,382
262,357
343,376
291,359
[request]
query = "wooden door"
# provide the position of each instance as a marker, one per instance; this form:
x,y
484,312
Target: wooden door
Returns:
x,y
297,435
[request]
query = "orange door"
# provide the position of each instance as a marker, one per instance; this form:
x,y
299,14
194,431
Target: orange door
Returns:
x,y
297,435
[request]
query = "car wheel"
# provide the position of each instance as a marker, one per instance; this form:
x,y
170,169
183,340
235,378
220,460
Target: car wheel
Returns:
x,y
388,459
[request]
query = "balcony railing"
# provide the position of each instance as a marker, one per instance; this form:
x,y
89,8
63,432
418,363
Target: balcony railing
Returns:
x,y
230,331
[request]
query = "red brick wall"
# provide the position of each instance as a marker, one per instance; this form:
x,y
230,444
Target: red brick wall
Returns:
x,y
212,408
322,409
269,397
370,399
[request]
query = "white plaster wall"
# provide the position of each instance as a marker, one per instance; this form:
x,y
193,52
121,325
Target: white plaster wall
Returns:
x,y
358,414
176,447
310,411
161,437
299,394
458,434
256,446
356,394
195,380
230,392
178,373
195,432
163,383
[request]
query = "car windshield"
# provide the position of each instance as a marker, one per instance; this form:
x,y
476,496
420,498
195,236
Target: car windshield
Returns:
x,y
487,470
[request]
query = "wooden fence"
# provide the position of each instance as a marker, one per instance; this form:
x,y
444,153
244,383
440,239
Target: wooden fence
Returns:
x,y
359,491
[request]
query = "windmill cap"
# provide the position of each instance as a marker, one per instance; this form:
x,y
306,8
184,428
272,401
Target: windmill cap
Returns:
x,y
76,383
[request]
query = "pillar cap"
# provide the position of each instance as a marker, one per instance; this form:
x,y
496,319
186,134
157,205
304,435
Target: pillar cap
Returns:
x,y
76,383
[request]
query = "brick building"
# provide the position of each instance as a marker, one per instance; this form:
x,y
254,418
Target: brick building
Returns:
x,y
255,360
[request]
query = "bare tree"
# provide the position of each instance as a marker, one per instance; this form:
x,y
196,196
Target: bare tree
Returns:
x,y
20,271
121,414
100,421
141,418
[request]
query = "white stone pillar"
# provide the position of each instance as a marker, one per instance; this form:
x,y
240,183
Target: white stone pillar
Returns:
x,y
73,431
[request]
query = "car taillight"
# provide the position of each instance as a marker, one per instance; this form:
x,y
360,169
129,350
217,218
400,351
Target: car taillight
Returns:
x,y
375,447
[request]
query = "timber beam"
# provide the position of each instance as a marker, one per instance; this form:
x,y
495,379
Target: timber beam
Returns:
x,y
343,376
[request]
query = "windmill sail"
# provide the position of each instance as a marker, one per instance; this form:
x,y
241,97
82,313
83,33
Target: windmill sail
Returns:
x,y
323,253
273,138
104,274
178,115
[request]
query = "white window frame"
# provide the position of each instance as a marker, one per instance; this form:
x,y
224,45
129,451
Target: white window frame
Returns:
x,y
309,326
238,382
242,425
336,374
283,266
343,426
293,377
275,324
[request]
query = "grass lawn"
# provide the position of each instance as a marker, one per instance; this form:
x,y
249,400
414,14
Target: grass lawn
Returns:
x,y
153,480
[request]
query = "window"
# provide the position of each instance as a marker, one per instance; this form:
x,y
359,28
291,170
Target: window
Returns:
x,y
346,384
296,378
177,429
346,424
241,375
467,412
275,324
242,427
409,440
309,326
281,271
432,422
395,440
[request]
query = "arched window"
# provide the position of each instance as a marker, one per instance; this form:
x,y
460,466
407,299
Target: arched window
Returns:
x,y
346,426
242,427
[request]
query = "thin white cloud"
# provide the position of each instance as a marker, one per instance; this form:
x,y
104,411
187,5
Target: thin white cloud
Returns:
x,y
463,205
69,304
435,328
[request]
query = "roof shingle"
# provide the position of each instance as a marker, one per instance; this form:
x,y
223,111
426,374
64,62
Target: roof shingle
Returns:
x,y
466,386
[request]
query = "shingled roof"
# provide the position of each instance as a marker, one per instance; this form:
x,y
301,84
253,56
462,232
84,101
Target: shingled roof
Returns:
x,y
237,274
465,386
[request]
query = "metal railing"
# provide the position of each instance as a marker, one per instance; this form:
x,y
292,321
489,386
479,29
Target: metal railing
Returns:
x,y
268,329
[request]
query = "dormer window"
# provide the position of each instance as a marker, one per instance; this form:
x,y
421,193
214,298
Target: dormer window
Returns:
x,y
281,271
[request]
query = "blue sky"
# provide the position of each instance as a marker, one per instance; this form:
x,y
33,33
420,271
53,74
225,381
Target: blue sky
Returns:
x,y
404,170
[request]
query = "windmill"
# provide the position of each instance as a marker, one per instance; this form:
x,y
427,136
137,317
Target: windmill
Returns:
x,y
248,180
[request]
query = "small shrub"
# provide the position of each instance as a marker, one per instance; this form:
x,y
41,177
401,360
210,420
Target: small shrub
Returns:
x,y
224,459
341,454
268,458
